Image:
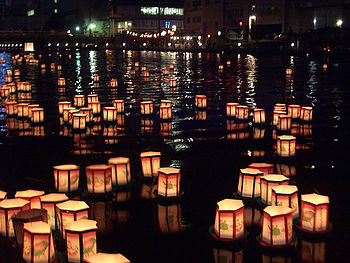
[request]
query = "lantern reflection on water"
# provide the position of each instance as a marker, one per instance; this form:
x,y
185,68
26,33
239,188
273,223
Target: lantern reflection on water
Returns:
x,y
165,128
272,258
146,107
99,178
106,258
104,214
150,162
286,169
249,182
48,202
120,170
312,252
200,115
252,218
286,195
147,191
114,83
168,184
33,196
169,218
61,82
227,256
269,181
66,177
286,145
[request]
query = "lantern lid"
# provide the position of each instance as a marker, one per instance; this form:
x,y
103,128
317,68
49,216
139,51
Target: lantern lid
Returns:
x,y
284,116
110,108
66,167
315,198
201,96
86,109
93,95
168,170
165,106
13,203
106,258
242,106
38,109
54,197
294,106
78,96
230,204
278,210
286,137
23,104
118,160
279,112
10,102
82,225
29,193
274,178
64,102
149,154
260,165
2,194
146,101
97,167
118,100
251,171
69,109
72,205
258,109
37,227
285,189
232,103
33,105
79,115
280,104
165,100
307,107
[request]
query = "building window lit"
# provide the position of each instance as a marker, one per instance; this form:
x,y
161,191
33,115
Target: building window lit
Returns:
x,y
339,23
31,12
168,11
55,10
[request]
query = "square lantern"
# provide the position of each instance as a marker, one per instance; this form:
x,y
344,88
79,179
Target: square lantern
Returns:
x,y
12,87
150,162
69,211
266,168
120,170
96,78
171,66
294,111
59,67
79,121
30,109
3,195
169,218
165,103
286,145
9,208
172,83
88,112
8,79
33,196
66,177
114,83
66,113
231,109
249,182
286,195
165,72
276,115
266,184
53,66
22,109
37,115
312,252
168,184
5,91
242,112
306,113
119,104
229,220
145,73
259,116
165,112
95,106
99,178
284,122
17,72
146,107
314,213
61,82
11,108
227,255
79,100
9,72
146,125
92,98
106,258
109,113
38,244
277,226
201,101
81,239
104,214
48,202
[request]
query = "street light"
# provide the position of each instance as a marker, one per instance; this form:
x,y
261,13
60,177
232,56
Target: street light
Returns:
x,y
339,23
77,28
251,19
92,26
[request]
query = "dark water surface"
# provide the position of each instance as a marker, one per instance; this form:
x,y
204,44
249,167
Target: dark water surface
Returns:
x,y
209,156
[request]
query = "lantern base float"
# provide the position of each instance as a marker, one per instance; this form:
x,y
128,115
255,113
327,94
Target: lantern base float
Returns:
x,y
235,242
289,247
168,200
313,234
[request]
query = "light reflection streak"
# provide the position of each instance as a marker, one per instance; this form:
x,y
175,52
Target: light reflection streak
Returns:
x,y
251,67
92,64
78,71
312,82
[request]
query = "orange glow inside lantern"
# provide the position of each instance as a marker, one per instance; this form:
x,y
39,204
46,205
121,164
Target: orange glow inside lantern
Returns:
x,y
286,195
249,182
95,106
172,82
145,73
272,258
62,105
38,244
165,112
171,66
221,67
70,115
266,184
259,116
294,111
165,103
242,112
66,113
66,177
169,218
146,107
119,104
231,109
8,79
143,68
306,113
37,115
146,125
109,113
11,86
114,83
48,202
92,98
314,213
99,178
313,252
286,145
229,219
165,71
266,168
284,122
276,115
150,162
33,196
22,109
96,78
9,72
168,184
227,256
11,108
79,121
120,170
5,91
59,67
280,107
277,226
81,239
88,112
70,211
201,101
288,71
106,258
79,100
231,125
61,82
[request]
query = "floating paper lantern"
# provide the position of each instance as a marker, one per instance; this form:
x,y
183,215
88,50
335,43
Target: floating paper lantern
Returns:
x,y
8,79
61,82
81,239
37,115
146,107
280,107
286,145
200,115
114,83
286,195
79,121
249,183
277,226
53,66
30,109
165,112
66,112
99,178
62,105
312,252
150,163
168,184
33,196
9,208
172,83
221,67
38,245
306,113
165,72
165,103
145,73
120,170
284,122
11,108
79,100
276,115
201,101
266,168
9,72
119,104
314,213
266,184
3,195
11,86
22,109
88,112
231,109
106,258
227,256
16,72
66,177
143,68
95,106
288,71
259,116
109,113
104,214
48,202
96,78
171,66
229,220
242,112
24,86
294,111
5,91
169,218
70,211
92,98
